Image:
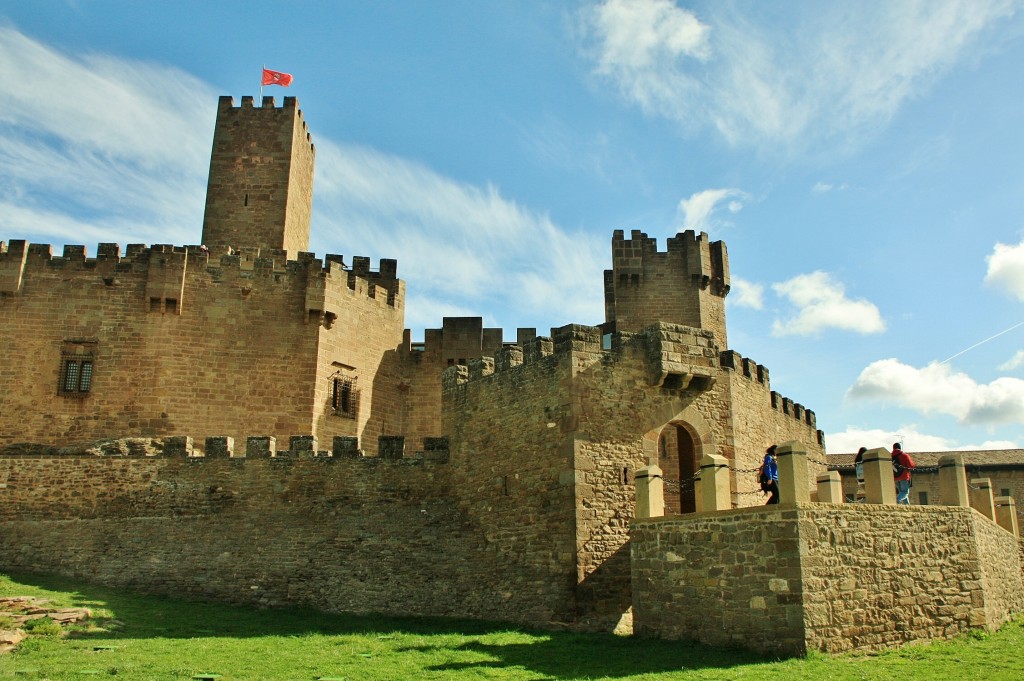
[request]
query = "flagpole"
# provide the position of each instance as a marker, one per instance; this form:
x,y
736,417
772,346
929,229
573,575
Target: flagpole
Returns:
x,y
261,85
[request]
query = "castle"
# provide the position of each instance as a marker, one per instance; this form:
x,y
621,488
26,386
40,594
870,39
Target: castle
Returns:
x,y
268,433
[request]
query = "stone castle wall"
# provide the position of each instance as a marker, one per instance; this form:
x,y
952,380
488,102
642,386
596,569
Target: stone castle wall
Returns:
x,y
823,577
512,473
760,417
180,341
361,534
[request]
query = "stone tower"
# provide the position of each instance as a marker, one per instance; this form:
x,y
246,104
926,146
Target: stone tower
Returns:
x,y
260,191
687,284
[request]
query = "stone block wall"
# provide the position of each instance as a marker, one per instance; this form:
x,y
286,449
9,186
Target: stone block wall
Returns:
x,y
260,188
512,474
760,417
686,284
728,578
823,577
183,342
337,534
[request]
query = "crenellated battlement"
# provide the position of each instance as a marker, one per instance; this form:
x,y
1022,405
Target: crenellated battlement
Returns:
x,y
675,356
706,262
165,266
748,368
463,338
391,448
685,284
289,107
757,375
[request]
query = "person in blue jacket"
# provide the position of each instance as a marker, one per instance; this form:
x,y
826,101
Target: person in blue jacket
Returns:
x,y
771,469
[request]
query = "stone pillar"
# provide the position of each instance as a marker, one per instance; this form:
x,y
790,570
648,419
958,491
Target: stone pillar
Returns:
x,y
981,498
650,492
714,483
953,481
220,447
879,485
1006,515
391,446
260,447
303,446
346,445
793,484
436,449
830,488
179,445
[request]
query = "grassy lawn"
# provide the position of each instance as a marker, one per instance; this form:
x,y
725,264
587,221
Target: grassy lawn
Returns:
x,y
143,637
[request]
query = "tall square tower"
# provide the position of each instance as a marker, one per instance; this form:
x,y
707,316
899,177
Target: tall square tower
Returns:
x,y
260,191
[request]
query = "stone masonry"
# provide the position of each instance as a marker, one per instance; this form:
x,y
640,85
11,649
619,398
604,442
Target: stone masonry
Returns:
x,y
245,421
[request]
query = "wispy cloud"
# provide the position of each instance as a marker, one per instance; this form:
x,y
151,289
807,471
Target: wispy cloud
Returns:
x,y
698,211
93,147
913,440
457,245
745,293
1014,362
842,69
1006,269
936,388
821,303
825,187
96,149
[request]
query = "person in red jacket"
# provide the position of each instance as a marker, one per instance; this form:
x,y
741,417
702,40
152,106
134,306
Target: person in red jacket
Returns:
x,y
902,464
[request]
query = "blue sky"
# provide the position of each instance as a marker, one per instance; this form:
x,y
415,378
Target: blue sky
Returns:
x,y
864,163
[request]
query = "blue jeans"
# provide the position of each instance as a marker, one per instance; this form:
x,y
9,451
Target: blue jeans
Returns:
x,y
903,492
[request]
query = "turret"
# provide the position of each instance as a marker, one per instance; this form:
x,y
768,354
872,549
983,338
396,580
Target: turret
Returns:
x,y
260,191
686,284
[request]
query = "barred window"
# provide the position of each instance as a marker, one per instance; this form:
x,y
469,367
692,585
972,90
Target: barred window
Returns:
x,y
75,376
344,396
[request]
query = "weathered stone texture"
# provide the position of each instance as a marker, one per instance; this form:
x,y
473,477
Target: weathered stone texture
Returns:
x,y
824,577
260,189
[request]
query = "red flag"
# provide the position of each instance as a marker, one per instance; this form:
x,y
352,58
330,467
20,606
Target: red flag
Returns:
x,y
276,78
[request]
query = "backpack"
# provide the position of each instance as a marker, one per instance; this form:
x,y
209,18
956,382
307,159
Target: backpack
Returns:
x,y
763,479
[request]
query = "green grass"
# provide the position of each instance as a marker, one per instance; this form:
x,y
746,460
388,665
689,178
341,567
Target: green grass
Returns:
x,y
142,637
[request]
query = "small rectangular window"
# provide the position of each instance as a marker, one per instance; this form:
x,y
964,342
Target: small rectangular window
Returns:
x,y
922,498
75,376
344,396
1005,492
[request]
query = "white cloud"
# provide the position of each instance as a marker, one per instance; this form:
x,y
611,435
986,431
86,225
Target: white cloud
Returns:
x,y
95,149
1006,269
821,304
643,46
853,438
936,388
698,210
98,149
841,70
1016,361
745,293
825,187
457,245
